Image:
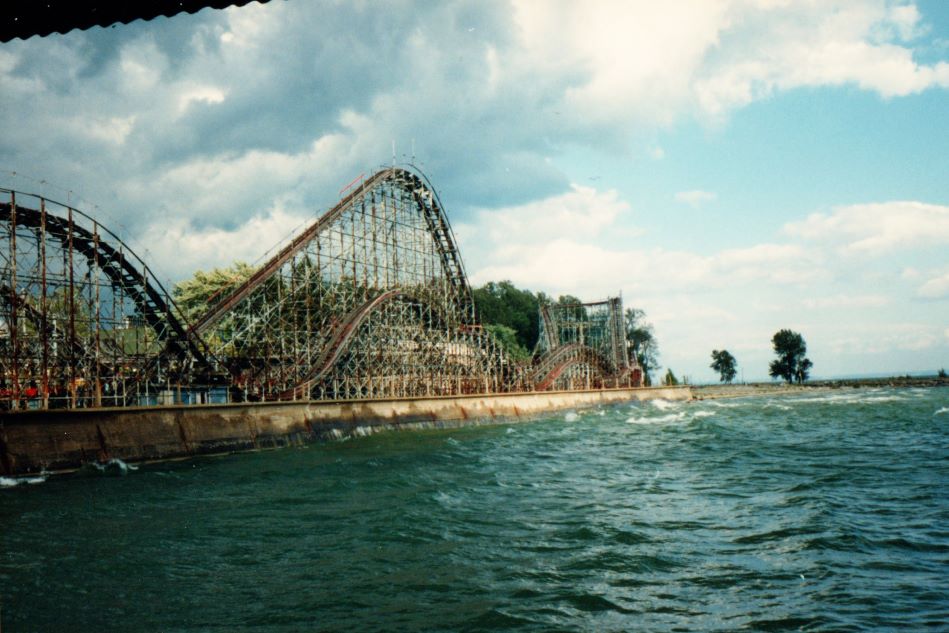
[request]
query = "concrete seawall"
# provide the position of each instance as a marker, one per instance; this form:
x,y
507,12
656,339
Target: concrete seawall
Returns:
x,y
57,440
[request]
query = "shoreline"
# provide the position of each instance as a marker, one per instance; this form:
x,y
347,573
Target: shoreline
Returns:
x,y
37,441
722,391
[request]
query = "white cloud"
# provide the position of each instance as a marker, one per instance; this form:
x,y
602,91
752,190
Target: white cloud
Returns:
x,y
847,301
695,198
718,56
184,247
571,241
284,76
113,130
877,228
880,338
200,94
583,212
935,288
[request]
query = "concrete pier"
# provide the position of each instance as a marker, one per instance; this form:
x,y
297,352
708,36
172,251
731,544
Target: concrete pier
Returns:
x,y
62,440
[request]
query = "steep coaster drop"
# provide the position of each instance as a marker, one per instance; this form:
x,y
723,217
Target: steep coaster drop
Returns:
x,y
371,301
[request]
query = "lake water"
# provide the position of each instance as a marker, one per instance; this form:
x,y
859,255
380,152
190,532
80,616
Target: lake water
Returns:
x,y
816,512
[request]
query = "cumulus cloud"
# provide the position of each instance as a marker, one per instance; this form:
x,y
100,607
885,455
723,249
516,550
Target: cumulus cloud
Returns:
x,y
935,288
186,247
877,228
148,116
587,239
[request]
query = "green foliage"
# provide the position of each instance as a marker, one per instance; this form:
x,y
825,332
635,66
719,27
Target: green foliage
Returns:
x,y
507,337
566,300
791,364
500,303
642,342
670,380
941,374
724,363
194,296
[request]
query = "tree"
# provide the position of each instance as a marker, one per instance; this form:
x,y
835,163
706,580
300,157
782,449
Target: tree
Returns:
x,y
724,363
670,380
642,342
507,338
500,303
791,364
194,296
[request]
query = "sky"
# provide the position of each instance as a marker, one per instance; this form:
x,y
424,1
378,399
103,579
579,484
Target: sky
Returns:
x,y
731,167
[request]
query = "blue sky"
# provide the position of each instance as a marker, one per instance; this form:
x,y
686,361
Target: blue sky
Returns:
x,y
733,167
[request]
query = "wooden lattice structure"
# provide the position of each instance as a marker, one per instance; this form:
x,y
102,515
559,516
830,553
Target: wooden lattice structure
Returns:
x,y
370,301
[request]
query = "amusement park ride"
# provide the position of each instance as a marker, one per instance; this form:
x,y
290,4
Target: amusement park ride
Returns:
x,y
371,301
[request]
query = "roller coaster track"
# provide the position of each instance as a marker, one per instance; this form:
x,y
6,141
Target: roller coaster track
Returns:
x,y
147,293
369,301
435,219
557,361
343,334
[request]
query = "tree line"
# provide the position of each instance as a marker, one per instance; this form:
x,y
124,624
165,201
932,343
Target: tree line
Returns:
x,y
511,315
791,364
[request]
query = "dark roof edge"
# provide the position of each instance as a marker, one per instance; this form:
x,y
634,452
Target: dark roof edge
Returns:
x,y
23,19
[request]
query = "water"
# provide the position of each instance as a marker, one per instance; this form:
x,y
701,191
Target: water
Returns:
x,y
820,512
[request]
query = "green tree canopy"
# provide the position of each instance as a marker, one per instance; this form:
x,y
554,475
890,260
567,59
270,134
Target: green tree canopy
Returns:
x,y
500,303
194,296
791,363
670,380
724,363
507,337
642,342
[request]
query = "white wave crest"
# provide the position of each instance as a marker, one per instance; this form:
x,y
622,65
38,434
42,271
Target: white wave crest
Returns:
x,y
10,482
941,411
662,405
572,416
114,466
701,413
661,419
871,396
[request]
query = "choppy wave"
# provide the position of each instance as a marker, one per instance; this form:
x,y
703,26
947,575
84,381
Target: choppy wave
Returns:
x,y
759,513
658,419
11,482
114,467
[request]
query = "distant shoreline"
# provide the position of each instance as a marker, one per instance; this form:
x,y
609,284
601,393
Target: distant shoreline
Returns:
x,y
735,390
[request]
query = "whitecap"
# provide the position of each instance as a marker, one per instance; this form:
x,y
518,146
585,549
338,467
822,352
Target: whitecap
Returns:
x,y
722,405
10,482
572,416
662,405
941,411
114,466
662,419
702,414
